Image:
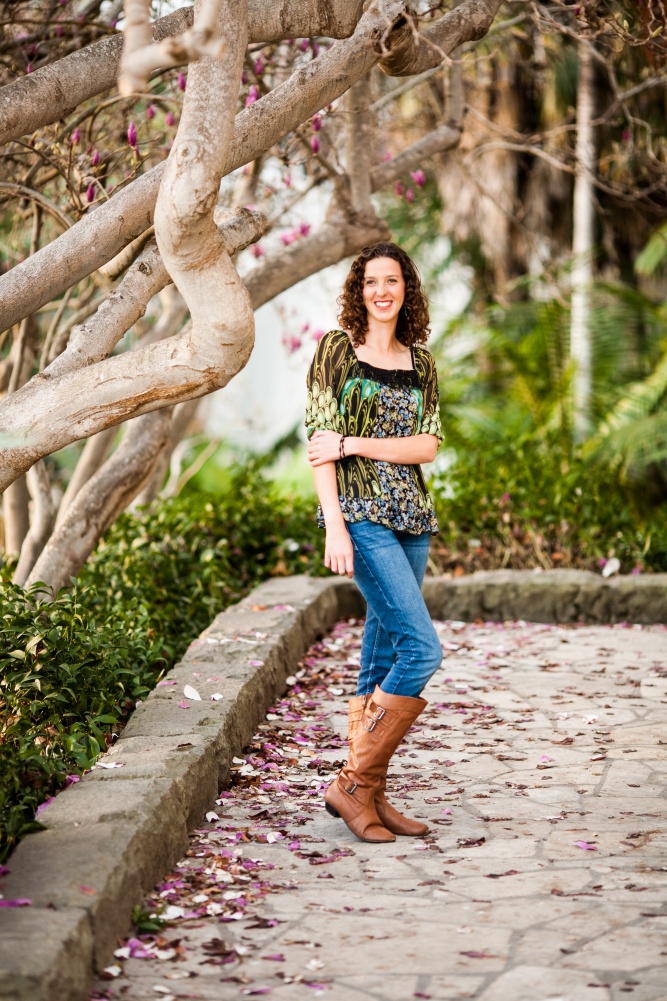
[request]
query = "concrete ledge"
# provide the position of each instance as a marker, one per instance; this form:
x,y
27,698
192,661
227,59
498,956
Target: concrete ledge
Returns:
x,y
112,836
564,596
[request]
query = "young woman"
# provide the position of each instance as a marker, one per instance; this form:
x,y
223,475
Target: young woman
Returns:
x,y
372,418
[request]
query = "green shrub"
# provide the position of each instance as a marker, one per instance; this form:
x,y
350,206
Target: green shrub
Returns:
x,y
72,669
528,506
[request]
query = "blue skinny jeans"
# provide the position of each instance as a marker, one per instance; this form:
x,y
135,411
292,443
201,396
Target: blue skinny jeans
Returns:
x,y
400,650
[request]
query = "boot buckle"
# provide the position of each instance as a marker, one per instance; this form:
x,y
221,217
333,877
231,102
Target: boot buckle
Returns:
x,y
370,724
352,790
379,712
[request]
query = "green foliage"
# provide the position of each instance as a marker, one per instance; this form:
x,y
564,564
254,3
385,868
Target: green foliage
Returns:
x,y
524,505
72,669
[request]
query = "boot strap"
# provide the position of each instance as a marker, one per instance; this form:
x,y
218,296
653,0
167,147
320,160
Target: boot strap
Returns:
x,y
373,714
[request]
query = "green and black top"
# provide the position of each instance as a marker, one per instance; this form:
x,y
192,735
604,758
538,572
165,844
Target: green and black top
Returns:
x,y
354,398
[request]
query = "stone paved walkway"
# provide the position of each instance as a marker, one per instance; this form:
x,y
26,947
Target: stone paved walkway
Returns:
x,y
540,763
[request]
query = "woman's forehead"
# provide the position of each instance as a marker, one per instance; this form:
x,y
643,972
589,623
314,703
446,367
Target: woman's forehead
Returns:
x,y
382,267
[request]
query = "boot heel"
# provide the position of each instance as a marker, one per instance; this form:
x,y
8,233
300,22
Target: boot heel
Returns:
x,y
330,810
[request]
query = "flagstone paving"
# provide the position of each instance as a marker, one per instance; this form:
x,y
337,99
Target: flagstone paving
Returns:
x,y
540,764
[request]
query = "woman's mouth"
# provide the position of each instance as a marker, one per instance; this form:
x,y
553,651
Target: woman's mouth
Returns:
x,y
383,303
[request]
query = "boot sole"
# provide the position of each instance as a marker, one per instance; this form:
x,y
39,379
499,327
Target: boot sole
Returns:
x,y
331,811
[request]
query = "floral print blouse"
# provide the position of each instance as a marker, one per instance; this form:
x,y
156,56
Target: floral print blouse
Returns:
x,y
354,398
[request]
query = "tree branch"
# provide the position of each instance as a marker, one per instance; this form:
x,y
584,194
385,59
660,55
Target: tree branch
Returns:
x,y
101,500
98,237
42,517
419,51
53,92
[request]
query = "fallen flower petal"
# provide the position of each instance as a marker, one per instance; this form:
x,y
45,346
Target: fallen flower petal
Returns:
x,y
183,705
17,902
191,693
585,845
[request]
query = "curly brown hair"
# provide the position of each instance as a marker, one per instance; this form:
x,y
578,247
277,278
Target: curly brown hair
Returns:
x,y
413,319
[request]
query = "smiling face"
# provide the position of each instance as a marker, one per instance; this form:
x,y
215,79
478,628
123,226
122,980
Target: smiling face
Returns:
x,y
383,289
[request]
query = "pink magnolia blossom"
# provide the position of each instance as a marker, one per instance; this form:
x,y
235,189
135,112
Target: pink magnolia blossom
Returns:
x,y
409,195
181,81
315,144
76,136
253,94
259,67
316,123
304,44
29,68
304,229
90,192
132,134
398,188
169,119
318,334
150,112
418,177
257,250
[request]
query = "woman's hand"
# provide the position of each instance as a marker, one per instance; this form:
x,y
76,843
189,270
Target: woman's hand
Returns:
x,y
338,550
324,446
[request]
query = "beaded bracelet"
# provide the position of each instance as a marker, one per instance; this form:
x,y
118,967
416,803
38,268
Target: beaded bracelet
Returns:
x,y
341,447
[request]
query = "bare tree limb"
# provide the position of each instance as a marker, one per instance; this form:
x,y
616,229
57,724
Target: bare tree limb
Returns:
x,y
439,141
416,52
98,237
54,91
359,144
136,37
93,455
101,500
42,518
143,58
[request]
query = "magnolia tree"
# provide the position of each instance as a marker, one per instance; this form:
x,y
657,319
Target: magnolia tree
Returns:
x,y
276,99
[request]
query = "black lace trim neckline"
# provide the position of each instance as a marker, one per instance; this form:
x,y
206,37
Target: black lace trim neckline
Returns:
x,y
396,378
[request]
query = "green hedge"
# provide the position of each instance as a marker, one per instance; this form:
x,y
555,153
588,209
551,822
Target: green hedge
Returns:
x,y
72,669
521,507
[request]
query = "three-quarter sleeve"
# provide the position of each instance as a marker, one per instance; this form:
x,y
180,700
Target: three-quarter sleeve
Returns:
x,y
430,422
323,386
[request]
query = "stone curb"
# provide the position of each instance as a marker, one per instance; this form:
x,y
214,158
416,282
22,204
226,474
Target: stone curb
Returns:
x,y
112,836
563,596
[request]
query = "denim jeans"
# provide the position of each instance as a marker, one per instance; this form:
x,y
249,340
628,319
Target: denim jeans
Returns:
x,y
400,650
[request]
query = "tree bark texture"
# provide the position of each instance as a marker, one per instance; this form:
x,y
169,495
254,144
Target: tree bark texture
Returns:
x,y
15,515
582,242
55,91
97,238
94,453
101,500
42,518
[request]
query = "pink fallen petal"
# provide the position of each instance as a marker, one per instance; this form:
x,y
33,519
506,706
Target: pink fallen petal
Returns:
x,y
166,683
17,902
256,990
43,806
4,871
183,705
545,757
585,845
275,957
256,663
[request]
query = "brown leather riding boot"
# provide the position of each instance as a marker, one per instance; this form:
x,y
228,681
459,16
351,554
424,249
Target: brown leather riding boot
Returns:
x,y
386,718
390,817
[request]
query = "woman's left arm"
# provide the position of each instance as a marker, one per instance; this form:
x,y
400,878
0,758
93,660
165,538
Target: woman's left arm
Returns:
x,y
324,446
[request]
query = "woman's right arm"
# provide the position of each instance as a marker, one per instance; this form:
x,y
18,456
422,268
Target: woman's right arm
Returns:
x,y
338,551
